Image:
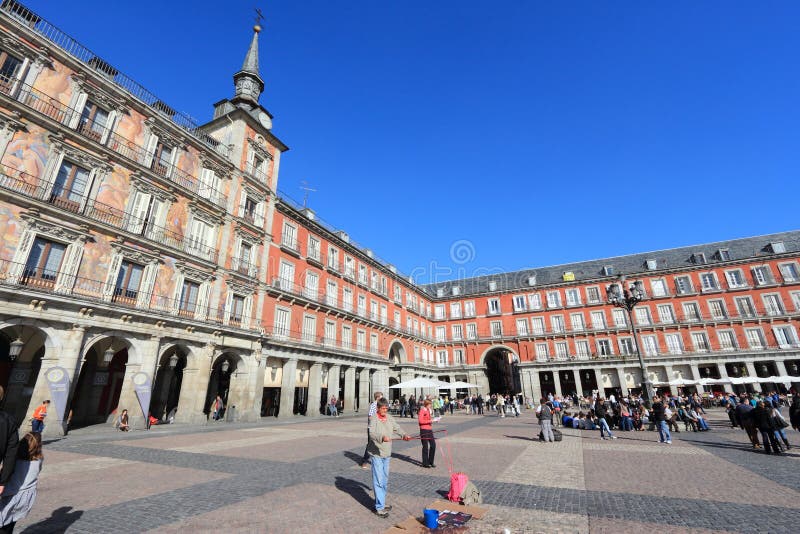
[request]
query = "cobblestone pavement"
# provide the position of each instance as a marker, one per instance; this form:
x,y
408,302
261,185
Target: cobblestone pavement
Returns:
x,y
304,477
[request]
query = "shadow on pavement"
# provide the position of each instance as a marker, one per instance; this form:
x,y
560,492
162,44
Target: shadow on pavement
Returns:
x,y
525,438
406,459
353,456
59,521
357,490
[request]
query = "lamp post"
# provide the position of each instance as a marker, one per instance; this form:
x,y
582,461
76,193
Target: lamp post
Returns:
x,y
627,298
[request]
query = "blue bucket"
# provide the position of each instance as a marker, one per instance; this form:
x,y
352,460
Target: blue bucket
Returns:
x,y
431,518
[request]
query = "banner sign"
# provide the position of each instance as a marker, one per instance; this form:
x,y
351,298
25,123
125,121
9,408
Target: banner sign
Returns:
x,y
141,385
58,381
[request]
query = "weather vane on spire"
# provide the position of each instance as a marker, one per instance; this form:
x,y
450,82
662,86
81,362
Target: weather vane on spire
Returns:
x,y
259,18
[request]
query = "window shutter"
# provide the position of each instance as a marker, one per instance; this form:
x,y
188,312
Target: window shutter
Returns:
x,y
110,123
111,278
259,215
208,185
201,312
247,311
150,150
147,285
242,202
228,305
69,268
137,211
237,252
77,110
176,297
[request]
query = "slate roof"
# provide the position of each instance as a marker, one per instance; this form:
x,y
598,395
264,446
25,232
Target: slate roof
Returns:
x,y
594,270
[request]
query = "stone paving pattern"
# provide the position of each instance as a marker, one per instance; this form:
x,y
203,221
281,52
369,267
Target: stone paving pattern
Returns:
x,y
304,477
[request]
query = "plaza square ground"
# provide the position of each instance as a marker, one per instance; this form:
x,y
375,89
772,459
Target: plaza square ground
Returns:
x,y
304,477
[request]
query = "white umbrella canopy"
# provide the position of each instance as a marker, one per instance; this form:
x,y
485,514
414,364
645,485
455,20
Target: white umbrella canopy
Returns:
x,y
418,382
458,384
682,382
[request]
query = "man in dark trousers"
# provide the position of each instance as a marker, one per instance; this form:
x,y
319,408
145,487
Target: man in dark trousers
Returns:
x,y
9,438
661,422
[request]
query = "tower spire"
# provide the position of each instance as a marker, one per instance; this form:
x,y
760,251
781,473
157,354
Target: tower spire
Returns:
x,y
247,81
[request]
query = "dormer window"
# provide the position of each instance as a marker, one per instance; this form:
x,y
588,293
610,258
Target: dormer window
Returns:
x,y
777,247
698,258
724,254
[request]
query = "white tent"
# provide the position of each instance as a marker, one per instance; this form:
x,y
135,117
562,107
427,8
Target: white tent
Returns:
x,y
744,380
419,382
680,382
458,385
713,381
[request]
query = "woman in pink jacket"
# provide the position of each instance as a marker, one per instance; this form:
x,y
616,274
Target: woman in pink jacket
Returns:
x,y
426,434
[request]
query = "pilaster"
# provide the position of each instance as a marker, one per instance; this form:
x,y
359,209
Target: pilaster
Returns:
x,y
314,390
288,380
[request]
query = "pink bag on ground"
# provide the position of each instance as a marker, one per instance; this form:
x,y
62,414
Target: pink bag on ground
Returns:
x,y
458,481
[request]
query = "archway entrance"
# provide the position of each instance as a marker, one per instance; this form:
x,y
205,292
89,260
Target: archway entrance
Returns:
x,y
502,370
99,384
219,383
393,393
21,352
167,389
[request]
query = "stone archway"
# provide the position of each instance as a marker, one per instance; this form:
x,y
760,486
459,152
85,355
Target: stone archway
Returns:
x,y
99,385
168,382
21,351
397,353
221,381
502,371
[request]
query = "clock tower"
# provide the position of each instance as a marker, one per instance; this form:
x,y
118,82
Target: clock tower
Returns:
x,y
248,82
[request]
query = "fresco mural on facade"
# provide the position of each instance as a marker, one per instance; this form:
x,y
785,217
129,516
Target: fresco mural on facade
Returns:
x,y
27,153
178,216
55,83
96,256
115,188
131,128
11,228
188,162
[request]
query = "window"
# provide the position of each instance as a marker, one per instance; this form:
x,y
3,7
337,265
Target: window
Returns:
x,y
717,309
373,344
576,319
619,318
9,67
497,329
557,323
535,301
796,300
643,315
519,303
700,342
561,350
70,186
582,348
537,325
289,236
286,276
592,295
727,339
313,248
44,262
626,346
330,333
522,327
683,285
438,311
347,336
724,254
361,340
188,300
469,308
441,333
375,281
331,293
309,328
745,307
785,336
373,310
455,310
553,299
604,347
658,287
650,345
162,159
333,258
93,121
398,293
349,267
362,305
773,304
735,279
699,258
472,331
599,320
312,285
347,299
666,314
362,274
541,351
129,278
384,314
200,240
494,306
778,247
398,323
755,338
441,358
573,297
674,345
789,272
282,323
691,312
708,281
458,333
243,262
458,357
762,275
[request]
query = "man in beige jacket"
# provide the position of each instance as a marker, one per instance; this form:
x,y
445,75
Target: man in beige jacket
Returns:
x,y
381,428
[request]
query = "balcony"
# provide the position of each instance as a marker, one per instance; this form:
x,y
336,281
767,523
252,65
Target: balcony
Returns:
x,y
63,114
31,187
245,268
279,334
18,277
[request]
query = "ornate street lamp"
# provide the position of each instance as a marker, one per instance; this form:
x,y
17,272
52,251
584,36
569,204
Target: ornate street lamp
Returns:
x,y
764,369
173,361
793,368
627,299
225,366
15,348
108,355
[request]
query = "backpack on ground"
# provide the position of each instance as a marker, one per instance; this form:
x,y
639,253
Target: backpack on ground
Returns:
x,y
557,435
471,495
458,481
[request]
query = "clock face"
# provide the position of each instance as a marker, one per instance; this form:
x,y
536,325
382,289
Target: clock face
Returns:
x,y
263,118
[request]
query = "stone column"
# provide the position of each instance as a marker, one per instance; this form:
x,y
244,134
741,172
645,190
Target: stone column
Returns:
x,y
288,381
780,367
623,384
670,377
380,381
535,385
557,382
67,357
149,349
364,393
723,373
333,382
194,386
349,390
314,390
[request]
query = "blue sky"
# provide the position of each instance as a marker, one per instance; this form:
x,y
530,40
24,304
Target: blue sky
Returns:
x,y
539,132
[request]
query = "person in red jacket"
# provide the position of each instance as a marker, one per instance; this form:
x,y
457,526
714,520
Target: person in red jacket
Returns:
x,y
426,434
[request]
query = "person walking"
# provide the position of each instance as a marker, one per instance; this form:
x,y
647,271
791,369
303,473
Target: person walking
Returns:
x,y
373,408
403,406
780,424
545,415
763,420
600,411
480,404
9,441
412,405
37,422
659,417
794,413
745,419
219,406
381,428
19,493
426,435
501,405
